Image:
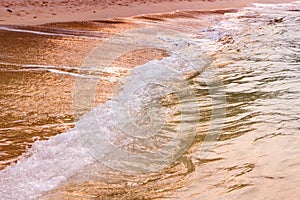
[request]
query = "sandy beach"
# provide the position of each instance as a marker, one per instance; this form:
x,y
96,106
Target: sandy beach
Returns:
x,y
34,12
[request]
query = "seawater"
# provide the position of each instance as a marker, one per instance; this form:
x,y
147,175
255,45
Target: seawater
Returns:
x,y
204,113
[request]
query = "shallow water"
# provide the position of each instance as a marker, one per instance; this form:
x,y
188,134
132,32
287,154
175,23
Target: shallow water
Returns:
x,y
192,106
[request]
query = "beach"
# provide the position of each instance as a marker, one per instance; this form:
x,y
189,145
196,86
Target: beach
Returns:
x,y
33,12
138,99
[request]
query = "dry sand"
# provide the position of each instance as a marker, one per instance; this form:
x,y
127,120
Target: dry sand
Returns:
x,y
33,12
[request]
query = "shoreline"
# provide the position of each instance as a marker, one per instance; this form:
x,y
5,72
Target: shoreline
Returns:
x,y
19,13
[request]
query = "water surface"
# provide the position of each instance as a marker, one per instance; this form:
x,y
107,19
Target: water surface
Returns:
x,y
254,57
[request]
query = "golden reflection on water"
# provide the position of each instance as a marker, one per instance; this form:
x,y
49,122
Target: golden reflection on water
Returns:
x,y
35,102
35,105
256,153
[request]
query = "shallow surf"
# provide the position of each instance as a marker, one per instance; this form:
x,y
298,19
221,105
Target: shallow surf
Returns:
x,y
153,107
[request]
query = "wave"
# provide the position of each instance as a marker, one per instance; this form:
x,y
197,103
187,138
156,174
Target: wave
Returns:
x,y
152,104
147,94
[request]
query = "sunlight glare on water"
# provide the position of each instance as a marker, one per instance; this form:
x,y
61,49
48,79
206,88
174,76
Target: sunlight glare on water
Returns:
x,y
254,56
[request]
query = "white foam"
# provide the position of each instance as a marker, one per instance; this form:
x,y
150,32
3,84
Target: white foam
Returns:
x,y
47,33
92,73
49,163
43,167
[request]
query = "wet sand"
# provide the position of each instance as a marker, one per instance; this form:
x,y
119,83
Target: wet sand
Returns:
x,y
34,12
